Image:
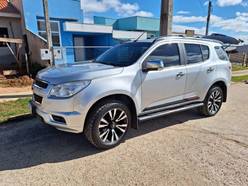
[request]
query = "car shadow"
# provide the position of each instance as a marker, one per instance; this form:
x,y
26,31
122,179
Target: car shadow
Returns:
x,y
30,143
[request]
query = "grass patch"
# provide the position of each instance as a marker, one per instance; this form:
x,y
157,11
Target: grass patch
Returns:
x,y
240,78
238,68
13,108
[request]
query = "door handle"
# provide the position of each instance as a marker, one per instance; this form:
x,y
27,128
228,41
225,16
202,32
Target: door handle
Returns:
x,y
211,69
180,74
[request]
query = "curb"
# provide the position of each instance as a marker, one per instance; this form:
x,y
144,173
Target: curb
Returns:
x,y
18,118
15,96
240,73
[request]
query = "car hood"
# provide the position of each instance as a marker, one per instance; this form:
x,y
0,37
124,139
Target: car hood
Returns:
x,y
77,72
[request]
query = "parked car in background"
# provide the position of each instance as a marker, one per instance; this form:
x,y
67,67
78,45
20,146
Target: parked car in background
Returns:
x,y
130,83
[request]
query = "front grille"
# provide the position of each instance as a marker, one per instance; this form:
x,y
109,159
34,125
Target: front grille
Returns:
x,y
38,99
41,84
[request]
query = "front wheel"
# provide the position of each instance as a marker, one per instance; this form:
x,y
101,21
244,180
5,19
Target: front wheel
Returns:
x,y
213,102
108,124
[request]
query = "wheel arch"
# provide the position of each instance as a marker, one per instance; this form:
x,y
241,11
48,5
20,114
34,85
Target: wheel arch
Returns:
x,y
223,86
118,97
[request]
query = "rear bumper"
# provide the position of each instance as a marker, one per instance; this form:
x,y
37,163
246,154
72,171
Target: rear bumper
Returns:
x,y
72,121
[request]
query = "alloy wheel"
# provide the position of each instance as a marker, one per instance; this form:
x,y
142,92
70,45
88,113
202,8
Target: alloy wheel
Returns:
x,y
113,126
214,102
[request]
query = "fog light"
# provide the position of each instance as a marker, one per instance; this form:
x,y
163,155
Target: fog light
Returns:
x,y
58,119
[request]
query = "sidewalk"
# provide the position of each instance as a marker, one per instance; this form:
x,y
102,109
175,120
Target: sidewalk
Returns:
x,y
9,94
240,73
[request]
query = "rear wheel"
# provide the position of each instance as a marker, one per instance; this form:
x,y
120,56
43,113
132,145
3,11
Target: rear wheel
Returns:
x,y
213,102
108,124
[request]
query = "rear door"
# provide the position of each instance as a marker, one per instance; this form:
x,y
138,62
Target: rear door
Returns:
x,y
199,67
165,86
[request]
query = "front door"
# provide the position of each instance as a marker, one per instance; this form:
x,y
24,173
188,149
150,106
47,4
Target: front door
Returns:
x,y
165,86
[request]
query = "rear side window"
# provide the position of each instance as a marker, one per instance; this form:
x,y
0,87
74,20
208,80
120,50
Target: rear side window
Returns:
x,y
194,53
168,53
205,52
221,53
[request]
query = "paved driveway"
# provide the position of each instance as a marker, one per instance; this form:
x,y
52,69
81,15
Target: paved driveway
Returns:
x,y
182,149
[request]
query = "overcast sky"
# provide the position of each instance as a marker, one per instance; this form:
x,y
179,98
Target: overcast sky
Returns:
x,y
228,16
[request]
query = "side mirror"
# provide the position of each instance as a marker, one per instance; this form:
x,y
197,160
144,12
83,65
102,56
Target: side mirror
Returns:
x,y
153,65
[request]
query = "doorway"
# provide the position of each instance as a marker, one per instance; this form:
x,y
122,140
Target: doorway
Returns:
x,y
79,51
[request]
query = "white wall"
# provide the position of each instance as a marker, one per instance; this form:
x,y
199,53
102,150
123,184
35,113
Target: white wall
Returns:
x,y
90,28
119,34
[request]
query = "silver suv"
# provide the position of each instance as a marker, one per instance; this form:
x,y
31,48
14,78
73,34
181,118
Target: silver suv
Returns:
x,y
130,83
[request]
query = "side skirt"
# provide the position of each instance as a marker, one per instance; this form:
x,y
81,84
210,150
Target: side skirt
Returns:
x,y
144,117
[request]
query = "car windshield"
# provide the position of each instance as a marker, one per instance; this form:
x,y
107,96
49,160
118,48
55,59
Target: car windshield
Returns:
x,y
124,54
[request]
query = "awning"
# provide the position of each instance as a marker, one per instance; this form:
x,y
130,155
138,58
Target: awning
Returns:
x,y
103,29
87,28
129,35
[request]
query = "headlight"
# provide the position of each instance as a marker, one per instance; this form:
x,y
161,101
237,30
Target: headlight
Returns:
x,y
68,89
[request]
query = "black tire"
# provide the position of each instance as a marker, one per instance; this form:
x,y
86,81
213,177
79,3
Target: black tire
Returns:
x,y
212,102
99,122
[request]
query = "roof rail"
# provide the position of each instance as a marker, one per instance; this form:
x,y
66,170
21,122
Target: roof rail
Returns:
x,y
197,38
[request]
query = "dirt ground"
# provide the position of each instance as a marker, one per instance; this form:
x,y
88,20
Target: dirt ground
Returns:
x,y
13,90
181,149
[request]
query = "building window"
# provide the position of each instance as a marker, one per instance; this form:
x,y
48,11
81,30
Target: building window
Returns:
x,y
3,33
55,29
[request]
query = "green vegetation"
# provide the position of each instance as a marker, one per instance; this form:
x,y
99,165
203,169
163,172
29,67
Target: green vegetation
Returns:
x,y
11,109
240,78
238,68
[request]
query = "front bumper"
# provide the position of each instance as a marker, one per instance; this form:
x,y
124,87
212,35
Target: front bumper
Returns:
x,y
62,114
72,121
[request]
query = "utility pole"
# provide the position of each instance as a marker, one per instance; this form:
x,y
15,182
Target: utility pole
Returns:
x,y
209,16
48,31
166,17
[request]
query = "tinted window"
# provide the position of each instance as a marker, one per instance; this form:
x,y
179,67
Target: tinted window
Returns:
x,y
169,54
205,52
221,53
194,53
124,54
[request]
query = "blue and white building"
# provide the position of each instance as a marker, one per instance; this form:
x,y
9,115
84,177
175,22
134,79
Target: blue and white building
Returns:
x,y
71,33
